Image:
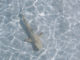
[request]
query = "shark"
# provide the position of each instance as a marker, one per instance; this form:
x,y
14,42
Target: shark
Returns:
x,y
33,38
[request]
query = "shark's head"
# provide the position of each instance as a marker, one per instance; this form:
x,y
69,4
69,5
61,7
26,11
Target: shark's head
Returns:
x,y
37,46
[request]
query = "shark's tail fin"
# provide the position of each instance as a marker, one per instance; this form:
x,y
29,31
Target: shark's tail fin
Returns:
x,y
22,17
25,22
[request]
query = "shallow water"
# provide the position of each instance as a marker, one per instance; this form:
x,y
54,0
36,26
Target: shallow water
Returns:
x,y
59,20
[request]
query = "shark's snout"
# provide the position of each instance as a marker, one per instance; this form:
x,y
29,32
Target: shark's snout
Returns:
x,y
37,46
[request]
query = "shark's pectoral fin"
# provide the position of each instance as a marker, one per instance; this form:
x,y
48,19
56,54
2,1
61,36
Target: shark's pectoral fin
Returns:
x,y
28,40
40,34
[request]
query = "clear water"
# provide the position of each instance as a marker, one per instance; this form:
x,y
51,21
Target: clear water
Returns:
x,y
59,20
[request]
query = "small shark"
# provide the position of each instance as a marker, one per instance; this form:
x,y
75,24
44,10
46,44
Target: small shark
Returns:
x,y
32,37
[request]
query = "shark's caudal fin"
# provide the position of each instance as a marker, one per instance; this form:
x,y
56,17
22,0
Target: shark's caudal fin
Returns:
x,y
26,22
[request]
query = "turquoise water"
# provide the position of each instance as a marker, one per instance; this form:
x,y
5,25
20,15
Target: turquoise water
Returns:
x,y
59,20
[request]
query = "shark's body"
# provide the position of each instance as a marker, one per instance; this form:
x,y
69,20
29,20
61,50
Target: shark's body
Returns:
x,y
33,38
